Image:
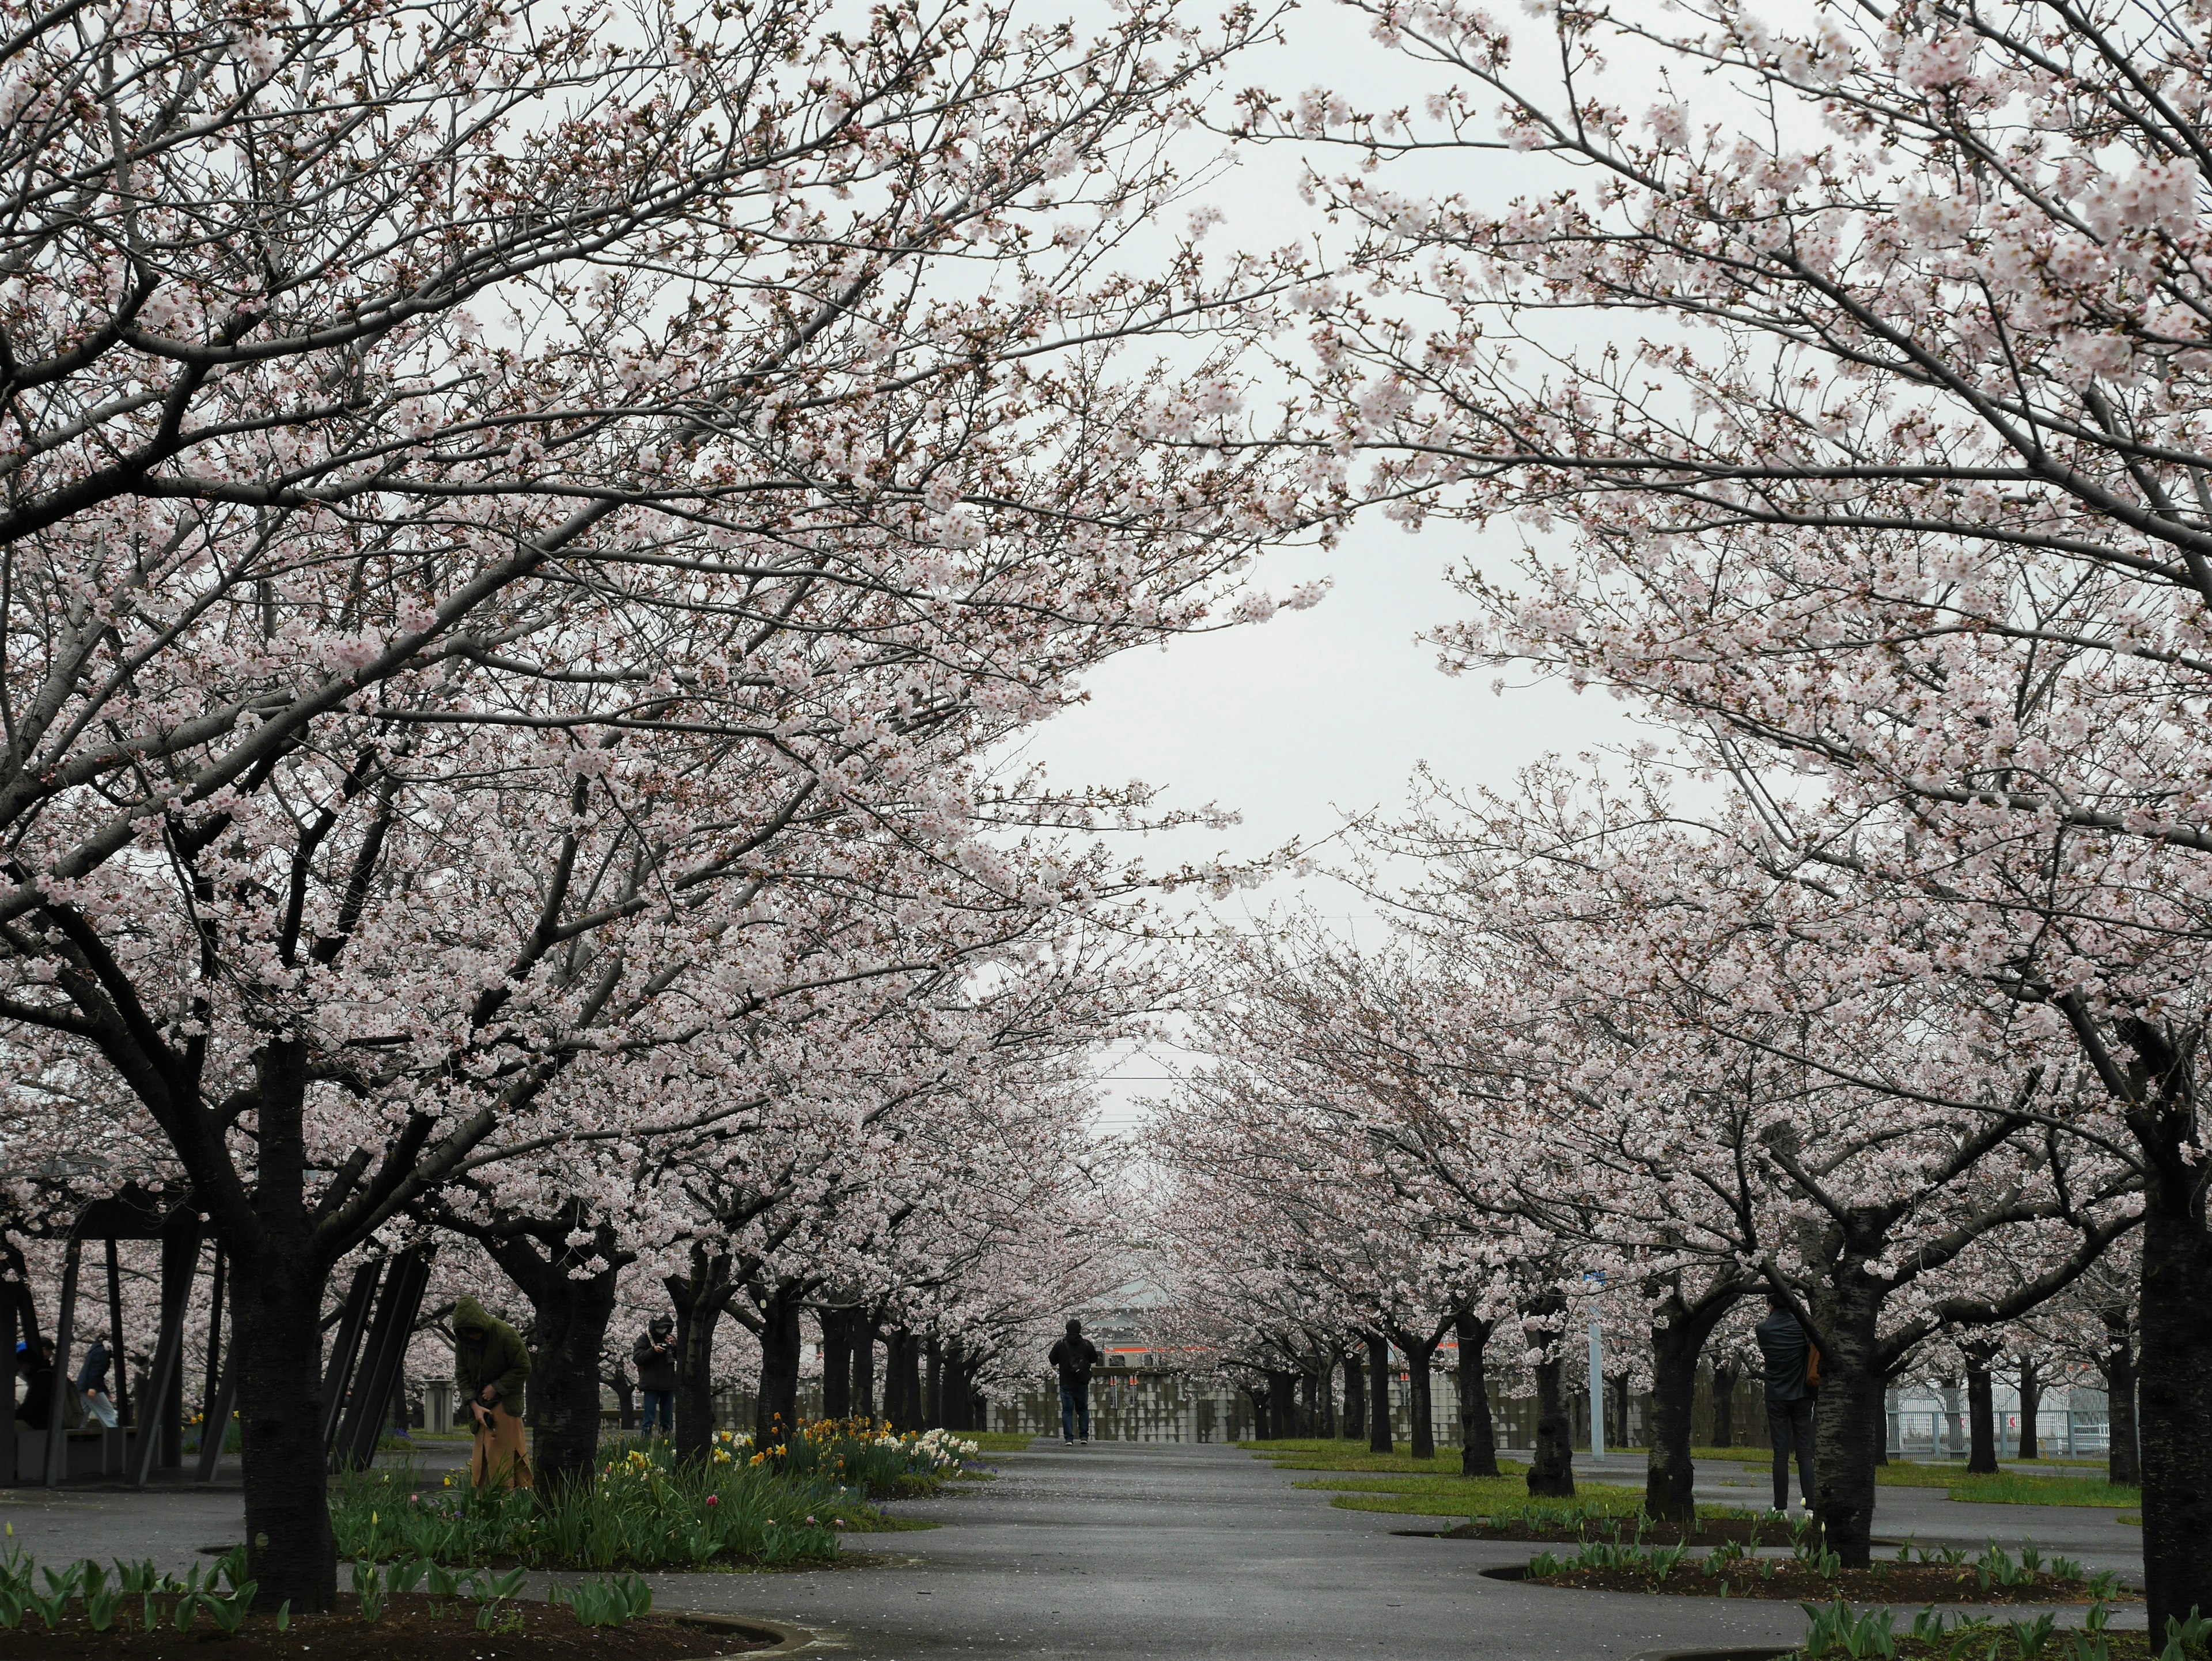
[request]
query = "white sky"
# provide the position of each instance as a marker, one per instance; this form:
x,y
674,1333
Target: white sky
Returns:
x,y
1297,722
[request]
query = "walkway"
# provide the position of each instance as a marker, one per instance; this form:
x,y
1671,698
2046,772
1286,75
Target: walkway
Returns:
x,y
1124,1550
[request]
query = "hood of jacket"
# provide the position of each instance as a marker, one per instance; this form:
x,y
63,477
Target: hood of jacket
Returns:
x,y
470,1316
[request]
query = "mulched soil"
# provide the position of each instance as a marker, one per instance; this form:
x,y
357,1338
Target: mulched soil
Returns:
x,y
1793,1582
414,1626
1718,1531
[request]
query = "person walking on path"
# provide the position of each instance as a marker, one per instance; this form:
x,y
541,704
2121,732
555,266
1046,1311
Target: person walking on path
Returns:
x,y
92,1382
1074,1355
492,1370
1791,1387
654,1353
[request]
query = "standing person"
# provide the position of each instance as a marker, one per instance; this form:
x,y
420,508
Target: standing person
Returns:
x,y
1791,1362
1074,1355
654,1353
492,1370
92,1382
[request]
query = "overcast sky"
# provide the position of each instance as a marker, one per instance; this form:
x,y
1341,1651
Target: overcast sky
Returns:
x,y
1294,723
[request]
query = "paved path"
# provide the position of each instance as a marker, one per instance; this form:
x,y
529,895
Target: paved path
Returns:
x,y
1148,1551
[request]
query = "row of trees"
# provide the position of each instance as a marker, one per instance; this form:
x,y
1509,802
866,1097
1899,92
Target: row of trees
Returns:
x,y
1847,397
525,540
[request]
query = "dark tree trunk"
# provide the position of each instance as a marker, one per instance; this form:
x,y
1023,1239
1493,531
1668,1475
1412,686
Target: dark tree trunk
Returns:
x,y
1672,1473
1283,1401
2123,1457
1616,1393
864,1367
1478,1435
277,1311
571,1319
1420,1418
700,1299
568,1317
1257,1395
1552,1472
1309,1411
1848,1422
1379,1439
1981,1412
1724,1405
2175,1396
2030,1405
902,1380
775,1409
837,1364
625,1389
1354,1423
278,1282
933,1410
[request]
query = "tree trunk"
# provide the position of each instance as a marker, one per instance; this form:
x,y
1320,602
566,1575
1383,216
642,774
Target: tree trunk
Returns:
x,y
2030,1405
2123,1457
1981,1413
775,1409
277,1313
1552,1472
837,1364
277,1290
1283,1401
700,1299
902,1381
1420,1403
932,1406
571,1318
1308,1414
2175,1385
625,1389
1671,1474
864,1367
1724,1405
1379,1439
1354,1423
1478,1436
1848,1422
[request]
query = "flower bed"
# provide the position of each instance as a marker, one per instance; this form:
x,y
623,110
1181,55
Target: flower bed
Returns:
x,y
738,1507
1917,1576
134,1611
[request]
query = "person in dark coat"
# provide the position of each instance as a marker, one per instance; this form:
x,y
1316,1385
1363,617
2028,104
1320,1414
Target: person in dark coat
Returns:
x,y
491,1368
1073,1356
92,1382
1786,1351
35,1364
654,1355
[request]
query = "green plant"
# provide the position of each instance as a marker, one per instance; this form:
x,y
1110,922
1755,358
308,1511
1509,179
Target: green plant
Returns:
x,y
369,1586
1927,1625
2184,1636
101,1597
612,1603
231,1566
2103,1585
495,1591
1835,1630
229,1613
11,1607
1542,1564
2030,1636
283,1615
1996,1566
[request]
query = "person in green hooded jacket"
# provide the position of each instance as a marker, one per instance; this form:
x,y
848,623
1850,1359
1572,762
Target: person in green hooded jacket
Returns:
x,y
492,1369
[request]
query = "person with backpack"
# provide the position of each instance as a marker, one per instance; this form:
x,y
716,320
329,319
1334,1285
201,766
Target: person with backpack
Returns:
x,y
1074,1356
654,1353
1793,1381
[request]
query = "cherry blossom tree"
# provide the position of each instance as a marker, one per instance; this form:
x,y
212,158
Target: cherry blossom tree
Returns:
x,y
1893,503
512,527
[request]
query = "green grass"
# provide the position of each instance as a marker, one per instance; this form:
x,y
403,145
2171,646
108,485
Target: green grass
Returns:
x,y
2008,1487
1315,1453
